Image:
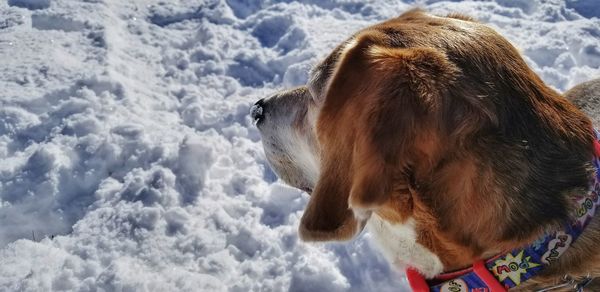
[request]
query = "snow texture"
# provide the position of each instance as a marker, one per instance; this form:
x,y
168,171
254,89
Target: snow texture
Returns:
x,y
129,162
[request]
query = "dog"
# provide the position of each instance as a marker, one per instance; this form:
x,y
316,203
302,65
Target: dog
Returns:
x,y
434,134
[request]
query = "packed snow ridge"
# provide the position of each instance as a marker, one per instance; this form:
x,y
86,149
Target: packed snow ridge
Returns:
x,y
129,161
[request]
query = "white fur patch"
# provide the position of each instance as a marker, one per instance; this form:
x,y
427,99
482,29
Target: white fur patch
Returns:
x,y
303,154
398,243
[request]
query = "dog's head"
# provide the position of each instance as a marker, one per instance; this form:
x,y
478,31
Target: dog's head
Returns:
x,y
431,124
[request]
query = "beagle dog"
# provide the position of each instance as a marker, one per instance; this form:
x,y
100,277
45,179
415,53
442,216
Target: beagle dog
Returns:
x,y
434,134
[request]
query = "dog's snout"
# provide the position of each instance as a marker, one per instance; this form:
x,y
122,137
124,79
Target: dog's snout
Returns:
x,y
257,112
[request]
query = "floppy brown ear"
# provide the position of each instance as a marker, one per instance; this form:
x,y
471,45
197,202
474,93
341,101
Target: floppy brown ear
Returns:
x,y
327,216
398,129
377,102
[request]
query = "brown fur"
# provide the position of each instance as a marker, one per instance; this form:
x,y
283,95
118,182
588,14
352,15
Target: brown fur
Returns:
x,y
440,119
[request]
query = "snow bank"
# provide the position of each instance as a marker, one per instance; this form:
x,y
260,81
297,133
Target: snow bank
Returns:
x,y
128,154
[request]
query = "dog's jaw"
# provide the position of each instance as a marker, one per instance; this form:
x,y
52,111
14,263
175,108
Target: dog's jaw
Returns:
x,y
398,243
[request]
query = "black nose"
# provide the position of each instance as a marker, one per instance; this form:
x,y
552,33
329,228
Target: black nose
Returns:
x,y
257,110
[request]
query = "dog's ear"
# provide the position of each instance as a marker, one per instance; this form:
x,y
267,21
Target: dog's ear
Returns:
x,y
327,216
377,105
398,126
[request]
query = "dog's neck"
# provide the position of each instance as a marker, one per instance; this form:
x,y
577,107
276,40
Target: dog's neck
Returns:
x,y
579,261
555,254
576,266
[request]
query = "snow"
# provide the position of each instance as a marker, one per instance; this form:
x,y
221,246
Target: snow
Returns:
x,y
129,161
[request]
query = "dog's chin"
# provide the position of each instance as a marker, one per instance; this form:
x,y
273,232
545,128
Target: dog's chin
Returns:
x,y
296,181
290,173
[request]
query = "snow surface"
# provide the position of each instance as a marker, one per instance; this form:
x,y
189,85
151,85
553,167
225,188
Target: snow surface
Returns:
x,y
128,161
